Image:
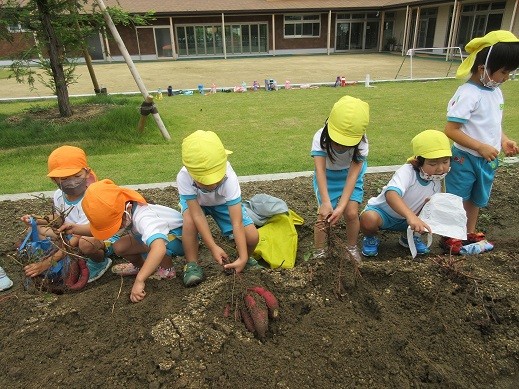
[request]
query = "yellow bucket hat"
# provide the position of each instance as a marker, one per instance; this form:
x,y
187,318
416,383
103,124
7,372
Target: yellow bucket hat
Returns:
x,y
430,144
348,121
204,157
478,44
104,205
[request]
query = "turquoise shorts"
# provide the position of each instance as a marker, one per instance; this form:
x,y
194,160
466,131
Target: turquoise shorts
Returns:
x,y
335,181
389,222
174,246
471,177
220,214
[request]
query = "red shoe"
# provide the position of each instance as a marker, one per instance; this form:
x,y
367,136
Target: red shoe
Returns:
x,y
474,237
451,245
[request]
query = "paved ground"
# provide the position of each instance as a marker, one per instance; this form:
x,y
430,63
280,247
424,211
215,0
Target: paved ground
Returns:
x,y
187,74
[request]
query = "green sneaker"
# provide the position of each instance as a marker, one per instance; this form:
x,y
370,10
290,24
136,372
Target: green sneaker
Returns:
x,y
193,274
252,264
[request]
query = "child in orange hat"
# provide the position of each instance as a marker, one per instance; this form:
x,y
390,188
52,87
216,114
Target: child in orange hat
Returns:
x,y
68,168
150,234
208,185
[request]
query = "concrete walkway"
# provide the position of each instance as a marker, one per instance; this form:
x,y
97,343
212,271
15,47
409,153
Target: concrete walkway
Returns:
x,y
163,185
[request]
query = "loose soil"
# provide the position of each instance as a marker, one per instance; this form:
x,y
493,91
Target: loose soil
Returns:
x,y
400,324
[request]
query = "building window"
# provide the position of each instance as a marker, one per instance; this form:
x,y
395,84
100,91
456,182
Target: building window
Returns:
x,y
206,40
302,26
477,20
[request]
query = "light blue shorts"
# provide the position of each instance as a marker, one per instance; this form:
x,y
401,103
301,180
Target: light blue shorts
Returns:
x,y
220,214
389,222
471,177
174,246
335,181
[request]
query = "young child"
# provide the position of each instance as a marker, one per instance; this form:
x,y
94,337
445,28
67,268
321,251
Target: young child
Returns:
x,y
208,185
5,281
339,150
69,170
474,117
149,234
400,201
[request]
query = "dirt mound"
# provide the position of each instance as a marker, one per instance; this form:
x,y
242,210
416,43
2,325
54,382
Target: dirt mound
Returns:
x,y
401,323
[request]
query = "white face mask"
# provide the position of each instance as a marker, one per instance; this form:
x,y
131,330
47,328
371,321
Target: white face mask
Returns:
x,y
432,177
485,77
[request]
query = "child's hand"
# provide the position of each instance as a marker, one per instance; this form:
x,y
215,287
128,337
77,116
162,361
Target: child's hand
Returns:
x,y
69,228
26,219
417,225
237,265
510,148
488,152
138,293
36,268
325,211
219,254
335,216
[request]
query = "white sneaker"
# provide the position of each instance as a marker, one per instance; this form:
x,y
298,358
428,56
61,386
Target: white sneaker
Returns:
x,y
354,253
5,282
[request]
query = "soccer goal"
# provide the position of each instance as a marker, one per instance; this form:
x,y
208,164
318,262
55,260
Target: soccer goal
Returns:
x,y
451,54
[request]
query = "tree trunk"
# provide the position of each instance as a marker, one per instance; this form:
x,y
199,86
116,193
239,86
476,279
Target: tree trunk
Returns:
x,y
55,57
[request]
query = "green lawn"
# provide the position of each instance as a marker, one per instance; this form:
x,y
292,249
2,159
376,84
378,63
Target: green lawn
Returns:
x,y
269,132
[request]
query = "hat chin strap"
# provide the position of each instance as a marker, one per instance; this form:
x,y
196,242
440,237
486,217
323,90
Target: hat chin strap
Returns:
x,y
410,241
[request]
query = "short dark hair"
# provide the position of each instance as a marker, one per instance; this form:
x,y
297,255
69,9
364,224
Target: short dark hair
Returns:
x,y
504,55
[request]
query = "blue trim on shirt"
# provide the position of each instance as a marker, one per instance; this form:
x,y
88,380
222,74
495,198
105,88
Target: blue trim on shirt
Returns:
x,y
188,197
234,201
154,237
315,153
394,189
456,120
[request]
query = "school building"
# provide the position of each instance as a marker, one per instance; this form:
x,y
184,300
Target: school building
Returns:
x,y
229,28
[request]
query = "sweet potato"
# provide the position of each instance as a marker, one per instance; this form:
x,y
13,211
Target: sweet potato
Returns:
x,y
258,313
227,310
79,279
247,319
270,300
73,274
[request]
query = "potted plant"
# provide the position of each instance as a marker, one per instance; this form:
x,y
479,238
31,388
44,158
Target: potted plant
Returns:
x,y
390,43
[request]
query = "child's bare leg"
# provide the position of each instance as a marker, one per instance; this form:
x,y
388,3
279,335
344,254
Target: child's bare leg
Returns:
x,y
472,211
130,249
167,262
252,238
370,223
351,214
189,238
92,248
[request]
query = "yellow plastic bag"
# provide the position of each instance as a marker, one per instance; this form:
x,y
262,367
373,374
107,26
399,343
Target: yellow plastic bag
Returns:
x,y
278,240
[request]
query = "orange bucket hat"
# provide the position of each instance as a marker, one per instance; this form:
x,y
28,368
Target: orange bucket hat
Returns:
x,y
104,204
66,161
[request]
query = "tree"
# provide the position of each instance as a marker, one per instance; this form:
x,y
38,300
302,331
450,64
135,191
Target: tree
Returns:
x,y
60,29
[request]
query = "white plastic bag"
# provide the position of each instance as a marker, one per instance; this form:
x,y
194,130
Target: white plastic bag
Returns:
x,y
445,214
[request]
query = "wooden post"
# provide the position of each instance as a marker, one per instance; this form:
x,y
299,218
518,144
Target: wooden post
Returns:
x,y
132,67
147,107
